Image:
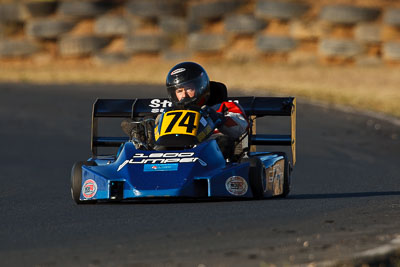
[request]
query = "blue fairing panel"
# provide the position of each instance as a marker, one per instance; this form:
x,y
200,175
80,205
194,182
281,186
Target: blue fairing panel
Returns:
x,y
218,183
201,171
198,172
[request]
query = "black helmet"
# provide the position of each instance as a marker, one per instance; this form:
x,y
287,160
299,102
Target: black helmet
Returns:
x,y
188,75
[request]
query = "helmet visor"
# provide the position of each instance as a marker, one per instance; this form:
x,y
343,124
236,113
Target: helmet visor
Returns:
x,y
186,92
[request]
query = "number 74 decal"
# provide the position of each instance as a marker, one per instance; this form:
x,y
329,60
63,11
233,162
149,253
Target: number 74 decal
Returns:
x,y
180,122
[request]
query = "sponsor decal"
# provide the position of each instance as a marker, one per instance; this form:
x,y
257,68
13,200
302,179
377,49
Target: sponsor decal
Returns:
x,y
162,158
274,178
236,185
159,105
178,71
278,180
160,167
157,110
203,121
89,188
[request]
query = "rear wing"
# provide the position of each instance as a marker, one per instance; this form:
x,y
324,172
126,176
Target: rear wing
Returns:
x,y
254,107
121,108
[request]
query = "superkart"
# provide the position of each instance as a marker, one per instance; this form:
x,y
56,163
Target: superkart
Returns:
x,y
192,166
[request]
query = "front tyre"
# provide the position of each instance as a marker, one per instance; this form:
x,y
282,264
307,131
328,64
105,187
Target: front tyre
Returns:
x,y
76,180
257,178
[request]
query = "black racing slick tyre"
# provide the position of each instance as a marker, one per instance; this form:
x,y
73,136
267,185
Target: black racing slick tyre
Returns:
x,y
391,50
154,8
205,42
48,28
41,9
244,24
392,17
76,181
81,45
84,9
212,9
282,10
275,44
17,48
258,181
348,14
146,43
257,178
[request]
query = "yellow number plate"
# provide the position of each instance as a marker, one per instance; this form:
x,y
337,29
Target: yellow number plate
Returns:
x,y
180,122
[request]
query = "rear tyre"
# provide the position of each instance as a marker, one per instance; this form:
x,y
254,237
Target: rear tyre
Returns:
x,y
76,181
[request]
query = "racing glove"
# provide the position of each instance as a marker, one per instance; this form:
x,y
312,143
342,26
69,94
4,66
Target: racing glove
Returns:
x,y
217,117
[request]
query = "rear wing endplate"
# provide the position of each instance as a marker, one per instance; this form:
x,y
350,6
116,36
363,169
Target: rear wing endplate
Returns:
x,y
254,107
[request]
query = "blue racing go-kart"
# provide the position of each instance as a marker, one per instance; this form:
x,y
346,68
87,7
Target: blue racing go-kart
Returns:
x,y
189,165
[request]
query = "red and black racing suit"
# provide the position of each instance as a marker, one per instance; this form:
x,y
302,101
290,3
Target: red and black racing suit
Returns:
x,y
234,125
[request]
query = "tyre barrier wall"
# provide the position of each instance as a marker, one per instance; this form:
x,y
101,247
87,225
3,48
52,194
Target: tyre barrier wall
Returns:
x,y
298,31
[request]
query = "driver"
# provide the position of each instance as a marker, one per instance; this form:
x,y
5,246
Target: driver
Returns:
x,y
188,84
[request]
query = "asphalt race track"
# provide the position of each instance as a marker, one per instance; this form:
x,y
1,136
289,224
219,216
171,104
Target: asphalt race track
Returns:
x,y
345,197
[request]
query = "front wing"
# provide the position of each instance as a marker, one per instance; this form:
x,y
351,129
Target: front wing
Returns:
x,y
232,181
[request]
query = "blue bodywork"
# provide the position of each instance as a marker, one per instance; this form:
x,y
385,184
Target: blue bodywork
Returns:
x,y
203,175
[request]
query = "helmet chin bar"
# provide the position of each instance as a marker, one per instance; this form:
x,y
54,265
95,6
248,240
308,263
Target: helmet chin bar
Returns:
x,y
186,101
